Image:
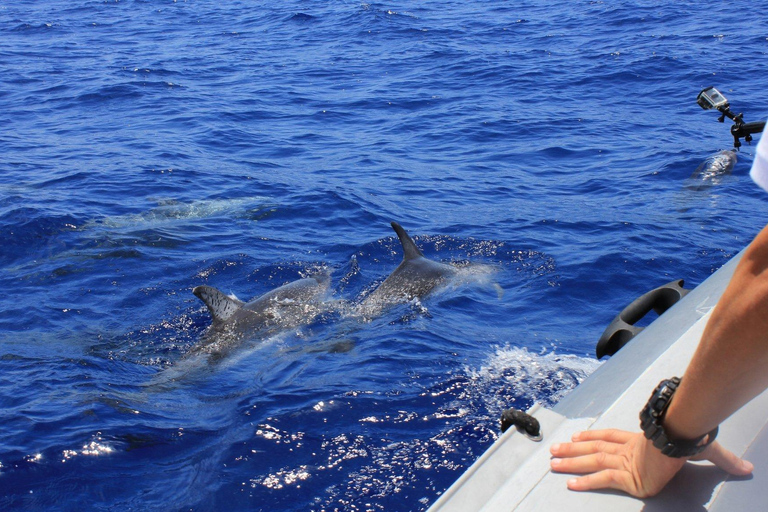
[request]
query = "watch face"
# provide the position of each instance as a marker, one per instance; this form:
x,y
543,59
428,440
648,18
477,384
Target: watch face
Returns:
x,y
661,399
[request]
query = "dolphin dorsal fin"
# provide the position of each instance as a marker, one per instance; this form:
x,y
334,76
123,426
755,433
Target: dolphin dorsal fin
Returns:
x,y
410,251
220,305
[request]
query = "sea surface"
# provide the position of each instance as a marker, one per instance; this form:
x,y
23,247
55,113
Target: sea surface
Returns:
x,y
148,147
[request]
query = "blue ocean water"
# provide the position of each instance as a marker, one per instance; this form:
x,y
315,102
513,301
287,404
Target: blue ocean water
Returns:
x,y
152,146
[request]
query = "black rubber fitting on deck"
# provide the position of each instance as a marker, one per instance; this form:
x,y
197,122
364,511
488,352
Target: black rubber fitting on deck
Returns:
x,y
525,423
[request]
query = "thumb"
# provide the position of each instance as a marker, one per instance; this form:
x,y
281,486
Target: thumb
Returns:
x,y
725,460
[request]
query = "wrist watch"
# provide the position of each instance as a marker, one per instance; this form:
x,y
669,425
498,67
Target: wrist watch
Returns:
x,y
652,416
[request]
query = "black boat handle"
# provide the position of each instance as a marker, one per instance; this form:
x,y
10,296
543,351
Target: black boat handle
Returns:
x,y
622,328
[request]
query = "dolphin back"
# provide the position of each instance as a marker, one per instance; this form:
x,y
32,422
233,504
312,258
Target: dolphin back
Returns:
x,y
221,306
410,251
416,276
716,165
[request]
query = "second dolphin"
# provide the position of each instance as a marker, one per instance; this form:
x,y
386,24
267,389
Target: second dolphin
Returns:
x,y
415,277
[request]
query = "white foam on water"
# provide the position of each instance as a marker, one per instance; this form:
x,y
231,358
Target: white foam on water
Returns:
x,y
544,378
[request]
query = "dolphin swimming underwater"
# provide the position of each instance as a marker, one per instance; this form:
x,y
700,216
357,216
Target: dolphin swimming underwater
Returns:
x,y
415,277
289,306
712,170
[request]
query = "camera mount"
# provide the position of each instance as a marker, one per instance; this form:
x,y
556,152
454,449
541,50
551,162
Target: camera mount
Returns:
x,y
710,98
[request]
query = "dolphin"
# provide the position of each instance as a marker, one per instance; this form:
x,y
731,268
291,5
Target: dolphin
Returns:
x,y
289,306
415,277
712,170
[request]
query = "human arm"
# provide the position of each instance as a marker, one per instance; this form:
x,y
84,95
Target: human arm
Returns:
x,y
730,365
727,370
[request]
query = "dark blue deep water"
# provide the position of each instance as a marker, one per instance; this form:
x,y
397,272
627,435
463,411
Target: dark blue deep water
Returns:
x,y
148,147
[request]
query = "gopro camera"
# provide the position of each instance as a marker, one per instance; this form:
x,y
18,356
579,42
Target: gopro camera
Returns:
x,y
711,98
